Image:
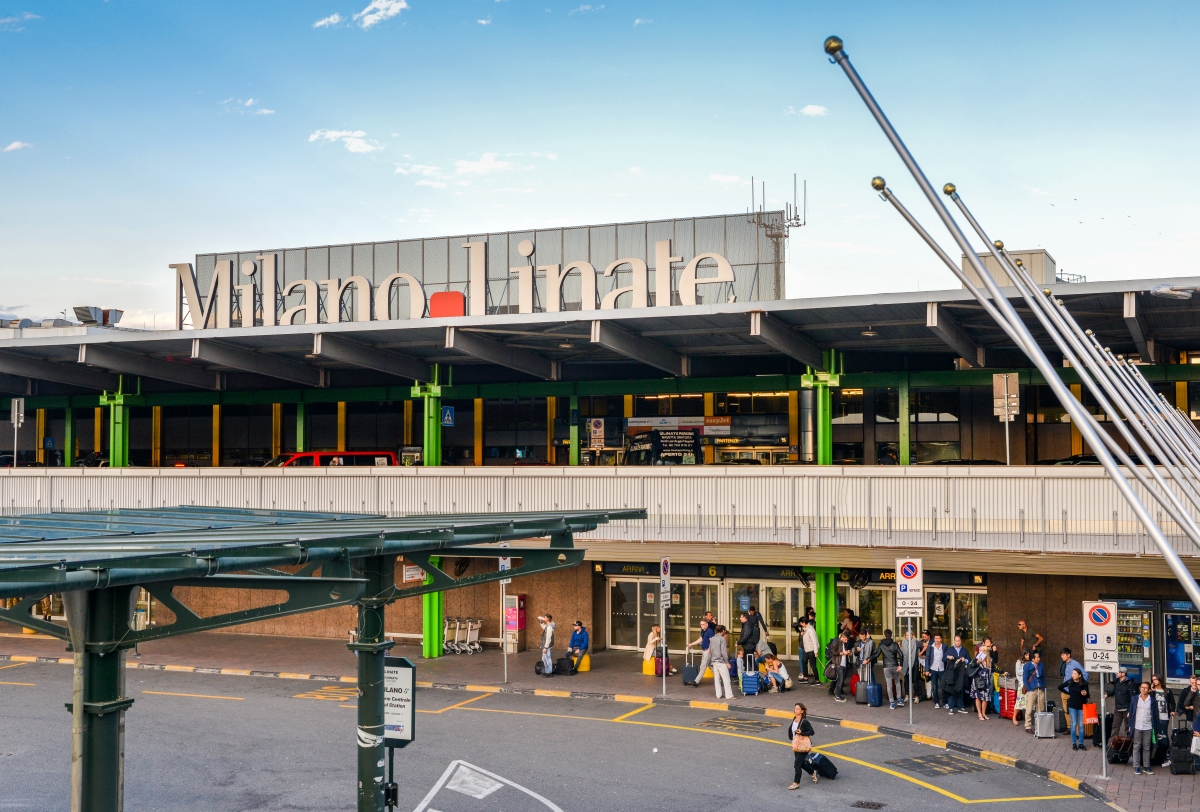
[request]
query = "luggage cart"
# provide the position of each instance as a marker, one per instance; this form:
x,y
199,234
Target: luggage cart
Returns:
x,y
472,643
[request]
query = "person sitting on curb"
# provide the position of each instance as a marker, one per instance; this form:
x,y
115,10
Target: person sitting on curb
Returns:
x,y
579,645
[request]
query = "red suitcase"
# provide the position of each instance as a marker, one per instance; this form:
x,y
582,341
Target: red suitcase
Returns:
x,y
1008,702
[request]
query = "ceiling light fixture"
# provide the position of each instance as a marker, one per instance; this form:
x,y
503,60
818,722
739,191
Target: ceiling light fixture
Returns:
x,y
869,332
566,345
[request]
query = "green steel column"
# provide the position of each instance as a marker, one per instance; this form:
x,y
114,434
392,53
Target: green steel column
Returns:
x,y
431,399
574,419
826,606
370,647
69,438
103,750
905,425
824,400
118,404
302,427
431,619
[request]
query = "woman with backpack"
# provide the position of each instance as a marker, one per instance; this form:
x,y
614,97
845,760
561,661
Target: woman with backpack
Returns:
x,y
800,733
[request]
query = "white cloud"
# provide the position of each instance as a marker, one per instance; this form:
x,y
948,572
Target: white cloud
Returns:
x,y
16,146
583,9
725,178
484,166
419,169
14,23
248,103
436,184
636,170
639,21
354,140
814,110
378,11
488,21
263,111
328,22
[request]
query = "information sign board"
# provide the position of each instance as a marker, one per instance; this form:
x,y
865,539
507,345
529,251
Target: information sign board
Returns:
x,y
399,711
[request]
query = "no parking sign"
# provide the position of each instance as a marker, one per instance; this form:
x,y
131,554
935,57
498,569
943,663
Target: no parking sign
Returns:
x,y
1100,636
910,587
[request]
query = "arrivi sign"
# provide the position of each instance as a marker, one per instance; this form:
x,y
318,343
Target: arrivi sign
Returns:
x,y
1100,636
910,587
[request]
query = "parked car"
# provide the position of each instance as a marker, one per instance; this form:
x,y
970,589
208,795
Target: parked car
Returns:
x,y
333,459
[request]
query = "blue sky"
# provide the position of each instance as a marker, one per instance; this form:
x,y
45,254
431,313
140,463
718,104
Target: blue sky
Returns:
x,y
138,133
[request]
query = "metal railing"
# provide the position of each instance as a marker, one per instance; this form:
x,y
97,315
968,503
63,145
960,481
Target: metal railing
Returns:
x,y
1021,509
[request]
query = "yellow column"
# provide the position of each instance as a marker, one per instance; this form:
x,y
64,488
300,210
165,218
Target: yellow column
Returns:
x,y
551,413
156,436
1076,437
276,429
41,437
478,428
1181,396
629,405
794,424
408,422
341,425
710,455
98,430
216,435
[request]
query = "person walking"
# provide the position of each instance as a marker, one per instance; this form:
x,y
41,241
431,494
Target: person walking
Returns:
x,y
956,676
910,656
1076,691
1121,690
808,641
935,664
1034,679
800,733
707,631
718,655
890,655
1141,730
981,683
547,623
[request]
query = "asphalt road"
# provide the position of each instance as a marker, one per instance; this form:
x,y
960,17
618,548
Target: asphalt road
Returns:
x,y
210,742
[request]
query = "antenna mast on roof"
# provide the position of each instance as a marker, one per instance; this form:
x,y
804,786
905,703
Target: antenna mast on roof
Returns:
x,y
776,228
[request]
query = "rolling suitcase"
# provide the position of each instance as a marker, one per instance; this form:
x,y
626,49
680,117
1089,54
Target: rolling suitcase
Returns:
x,y
1060,720
1161,750
1181,760
661,663
860,692
1108,729
821,764
1043,725
874,690
1181,738
690,672
751,681
1120,748
1008,702
852,683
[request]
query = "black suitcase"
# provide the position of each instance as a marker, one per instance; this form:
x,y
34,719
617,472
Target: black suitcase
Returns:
x,y
1181,761
1060,720
1181,737
690,672
538,668
1159,754
1108,731
1120,748
822,765
564,666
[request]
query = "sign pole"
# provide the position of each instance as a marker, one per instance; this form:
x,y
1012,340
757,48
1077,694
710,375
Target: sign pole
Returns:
x,y
1103,735
1100,654
664,601
505,564
911,666
910,603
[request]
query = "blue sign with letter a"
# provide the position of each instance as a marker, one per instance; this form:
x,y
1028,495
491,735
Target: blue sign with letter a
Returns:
x,y
448,416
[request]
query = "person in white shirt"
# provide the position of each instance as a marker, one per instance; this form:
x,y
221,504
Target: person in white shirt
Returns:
x,y
935,664
808,658
1141,727
547,623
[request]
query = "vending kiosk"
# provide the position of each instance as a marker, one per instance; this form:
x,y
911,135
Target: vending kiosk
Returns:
x,y
1135,639
1180,625
514,623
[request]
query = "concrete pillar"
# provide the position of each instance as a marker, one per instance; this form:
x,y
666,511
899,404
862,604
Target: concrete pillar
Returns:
x,y
431,618
825,600
574,430
806,425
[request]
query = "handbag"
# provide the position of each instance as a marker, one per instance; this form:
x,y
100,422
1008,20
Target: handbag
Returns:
x,y
831,672
1091,716
802,743
1196,745
787,684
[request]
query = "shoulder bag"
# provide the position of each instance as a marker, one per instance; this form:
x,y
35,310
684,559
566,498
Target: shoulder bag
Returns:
x,y
801,743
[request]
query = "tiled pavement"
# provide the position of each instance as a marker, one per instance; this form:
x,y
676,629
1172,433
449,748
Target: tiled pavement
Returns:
x,y
618,674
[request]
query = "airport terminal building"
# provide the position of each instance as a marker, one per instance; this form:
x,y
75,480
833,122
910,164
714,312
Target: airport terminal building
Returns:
x,y
786,450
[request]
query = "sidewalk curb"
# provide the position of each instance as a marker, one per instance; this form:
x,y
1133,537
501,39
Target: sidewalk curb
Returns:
x,y
987,755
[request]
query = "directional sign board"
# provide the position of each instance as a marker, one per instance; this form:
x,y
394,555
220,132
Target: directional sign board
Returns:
x,y
399,711
17,412
1100,636
664,583
910,587
505,565
448,417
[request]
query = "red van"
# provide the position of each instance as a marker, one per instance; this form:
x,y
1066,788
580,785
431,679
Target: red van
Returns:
x,y
311,459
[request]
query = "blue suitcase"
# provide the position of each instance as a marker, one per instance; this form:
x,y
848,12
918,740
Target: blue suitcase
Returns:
x,y
751,684
874,690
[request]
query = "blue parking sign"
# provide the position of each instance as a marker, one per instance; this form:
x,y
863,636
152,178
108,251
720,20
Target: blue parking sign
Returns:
x,y
448,416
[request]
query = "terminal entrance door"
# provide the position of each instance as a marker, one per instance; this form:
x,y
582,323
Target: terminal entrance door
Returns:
x,y
781,604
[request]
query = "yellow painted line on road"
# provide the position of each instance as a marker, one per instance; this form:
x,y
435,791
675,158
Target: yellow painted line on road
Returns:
x,y
625,716
780,714
921,738
547,692
27,684
196,696
1000,758
290,675
860,726
493,689
640,700
459,705
1065,780
236,672
700,703
331,693
355,681
23,658
419,684
850,741
844,757
71,661
18,665
185,668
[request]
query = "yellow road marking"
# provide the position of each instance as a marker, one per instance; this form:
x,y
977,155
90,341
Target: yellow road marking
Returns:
x,y
860,726
419,684
625,716
71,661
18,665
780,714
640,700
331,693
459,705
28,684
699,703
1065,780
23,658
842,756
850,741
355,681
486,688
1000,758
921,738
289,675
355,707
562,694
195,696
236,672
186,668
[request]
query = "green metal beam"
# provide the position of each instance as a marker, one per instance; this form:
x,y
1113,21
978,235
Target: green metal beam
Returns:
x,y
19,616
532,561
